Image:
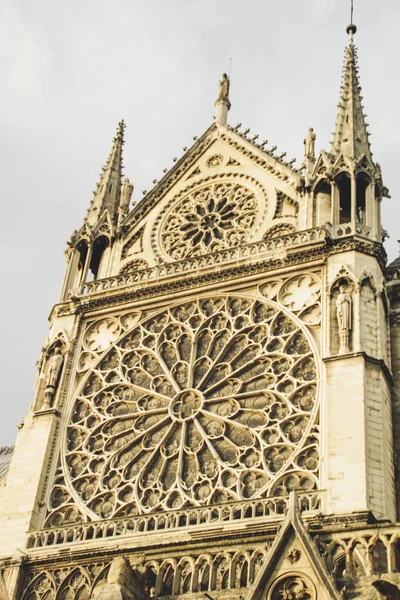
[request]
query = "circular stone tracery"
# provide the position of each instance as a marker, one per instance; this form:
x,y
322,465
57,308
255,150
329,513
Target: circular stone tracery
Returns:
x,y
209,401
186,405
213,217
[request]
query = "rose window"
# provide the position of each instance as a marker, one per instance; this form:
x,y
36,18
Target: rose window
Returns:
x,y
209,401
214,217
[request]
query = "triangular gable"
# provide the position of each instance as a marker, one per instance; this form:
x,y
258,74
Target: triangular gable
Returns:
x,y
293,565
104,225
342,163
182,167
185,166
322,166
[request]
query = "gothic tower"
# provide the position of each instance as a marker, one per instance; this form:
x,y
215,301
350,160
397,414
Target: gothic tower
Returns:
x,y
213,413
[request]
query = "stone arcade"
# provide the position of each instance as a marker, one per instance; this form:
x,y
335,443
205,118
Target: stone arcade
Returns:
x,y
216,413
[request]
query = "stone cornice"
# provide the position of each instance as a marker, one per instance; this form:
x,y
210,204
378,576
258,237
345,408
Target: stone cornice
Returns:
x,y
379,362
266,257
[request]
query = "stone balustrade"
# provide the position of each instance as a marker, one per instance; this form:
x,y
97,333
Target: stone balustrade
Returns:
x,y
346,229
257,250
269,509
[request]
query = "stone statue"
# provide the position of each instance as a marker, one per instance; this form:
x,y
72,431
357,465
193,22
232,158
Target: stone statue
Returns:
x,y
126,195
223,95
343,311
55,365
309,144
387,589
53,375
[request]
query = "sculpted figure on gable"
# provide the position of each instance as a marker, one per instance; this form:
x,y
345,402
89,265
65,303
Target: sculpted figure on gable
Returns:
x,y
223,93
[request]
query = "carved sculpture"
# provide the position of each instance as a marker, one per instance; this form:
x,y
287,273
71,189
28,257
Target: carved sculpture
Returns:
x,y
343,311
126,195
53,376
293,555
208,401
309,145
387,589
292,588
223,94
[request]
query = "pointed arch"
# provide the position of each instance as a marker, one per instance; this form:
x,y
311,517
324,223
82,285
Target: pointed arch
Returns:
x,y
256,562
221,572
240,568
75,587
42,587
165,578
202,573
183,582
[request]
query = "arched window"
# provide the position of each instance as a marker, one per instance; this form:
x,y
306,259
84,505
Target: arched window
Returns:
x,y
322,203
344,187
82,249
361,197
98,254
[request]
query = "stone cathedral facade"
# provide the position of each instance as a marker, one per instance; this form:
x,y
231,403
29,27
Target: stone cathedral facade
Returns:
x,y
216,413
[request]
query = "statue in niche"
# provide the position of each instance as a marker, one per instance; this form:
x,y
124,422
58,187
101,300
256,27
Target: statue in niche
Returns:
x,y
223,95
343,312
309,144
56,362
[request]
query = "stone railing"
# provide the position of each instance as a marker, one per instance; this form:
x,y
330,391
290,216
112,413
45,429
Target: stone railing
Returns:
x,y
270,509
257,250
351,229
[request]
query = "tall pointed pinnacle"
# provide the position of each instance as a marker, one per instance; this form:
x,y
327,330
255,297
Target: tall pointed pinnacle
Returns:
x,y
351,136
107,196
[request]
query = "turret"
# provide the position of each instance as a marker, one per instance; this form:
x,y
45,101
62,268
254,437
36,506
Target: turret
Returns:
x,y
345,183
89,252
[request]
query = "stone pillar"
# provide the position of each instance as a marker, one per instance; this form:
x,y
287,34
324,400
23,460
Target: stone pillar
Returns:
x,y
221,113
25,480
353,200
70,274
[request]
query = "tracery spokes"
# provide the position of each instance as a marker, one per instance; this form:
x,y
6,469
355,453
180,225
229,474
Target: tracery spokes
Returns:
x,y
209,401
211,218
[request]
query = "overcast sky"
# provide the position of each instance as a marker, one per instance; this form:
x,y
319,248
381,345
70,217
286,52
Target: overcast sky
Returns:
x,y
71,69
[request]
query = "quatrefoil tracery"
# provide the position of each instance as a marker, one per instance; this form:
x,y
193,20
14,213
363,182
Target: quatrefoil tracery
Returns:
x,y
208,401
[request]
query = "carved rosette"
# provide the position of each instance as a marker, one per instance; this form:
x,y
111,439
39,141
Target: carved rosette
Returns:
x,y
208,401
294,587
214,216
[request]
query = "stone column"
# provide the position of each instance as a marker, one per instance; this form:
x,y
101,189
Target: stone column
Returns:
x,y
353,201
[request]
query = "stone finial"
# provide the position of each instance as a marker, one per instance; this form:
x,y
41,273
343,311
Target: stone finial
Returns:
x,y
223,103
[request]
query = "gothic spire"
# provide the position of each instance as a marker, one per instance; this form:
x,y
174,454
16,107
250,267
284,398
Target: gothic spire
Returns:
x,y
351,136
107,196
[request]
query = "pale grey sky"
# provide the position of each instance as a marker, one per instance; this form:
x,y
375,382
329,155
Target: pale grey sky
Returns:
x,y
71,69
